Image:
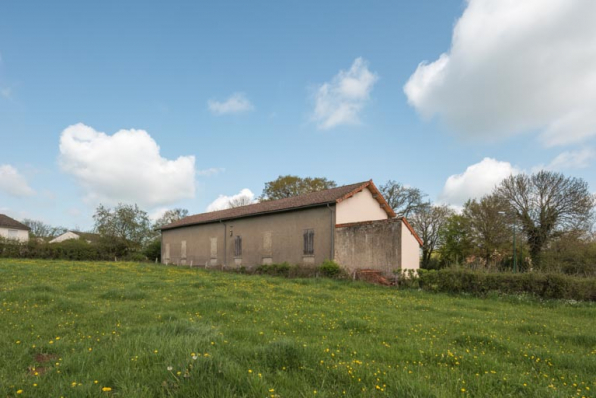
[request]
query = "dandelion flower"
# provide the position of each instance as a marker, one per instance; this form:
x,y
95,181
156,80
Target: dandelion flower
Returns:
x,y
106,389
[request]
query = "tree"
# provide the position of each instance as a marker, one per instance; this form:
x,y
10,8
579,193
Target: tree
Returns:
x,y
239,201
169,217
125,223
289,185
403,200
489,220
456,241
39,229
547,203
428,222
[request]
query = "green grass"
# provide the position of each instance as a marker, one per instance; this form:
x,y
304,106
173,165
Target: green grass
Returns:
x,y
70,329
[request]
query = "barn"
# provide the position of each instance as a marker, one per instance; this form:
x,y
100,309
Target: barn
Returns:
x,y
352,225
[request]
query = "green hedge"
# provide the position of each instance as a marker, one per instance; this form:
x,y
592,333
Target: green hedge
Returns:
x,y
75,249
548,286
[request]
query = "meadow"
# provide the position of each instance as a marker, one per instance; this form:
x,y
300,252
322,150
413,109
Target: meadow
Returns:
x,y
101,329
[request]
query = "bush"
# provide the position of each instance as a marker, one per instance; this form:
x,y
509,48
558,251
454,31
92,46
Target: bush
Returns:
x,y
74,249
547,286
330,269
282,269
153,250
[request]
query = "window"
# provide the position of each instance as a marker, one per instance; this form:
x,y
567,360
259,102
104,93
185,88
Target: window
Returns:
x,y
13,234
309,242
238,246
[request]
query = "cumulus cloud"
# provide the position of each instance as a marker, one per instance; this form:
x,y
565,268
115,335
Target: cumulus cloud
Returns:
x,y
571,160
478,180
515,66
223,202
236,103
341,100
124,167
14,183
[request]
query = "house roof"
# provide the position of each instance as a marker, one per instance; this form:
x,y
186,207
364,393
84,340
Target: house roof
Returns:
x,y
87,236
320,198
8,222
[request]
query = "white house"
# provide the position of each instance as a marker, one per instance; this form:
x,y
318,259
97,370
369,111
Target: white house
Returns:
x,y
13,230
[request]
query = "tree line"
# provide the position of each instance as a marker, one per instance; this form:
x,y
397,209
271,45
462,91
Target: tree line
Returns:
x,y
541,221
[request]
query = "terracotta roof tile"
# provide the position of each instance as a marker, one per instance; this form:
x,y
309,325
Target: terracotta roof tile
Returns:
x,y
333,195
8,222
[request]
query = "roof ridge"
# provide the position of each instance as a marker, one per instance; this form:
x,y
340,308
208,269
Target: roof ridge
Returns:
x,y
310,199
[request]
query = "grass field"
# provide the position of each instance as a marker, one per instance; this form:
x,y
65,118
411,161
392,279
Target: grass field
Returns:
x,y
140,330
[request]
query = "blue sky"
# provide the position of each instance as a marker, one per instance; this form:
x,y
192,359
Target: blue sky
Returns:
x,y
317,89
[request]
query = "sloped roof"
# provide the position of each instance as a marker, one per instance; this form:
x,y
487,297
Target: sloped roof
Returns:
x,y
8,222
320,198
87,236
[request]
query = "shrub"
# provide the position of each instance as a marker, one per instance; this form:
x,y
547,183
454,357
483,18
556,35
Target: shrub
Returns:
x,y
548,286
330,269
153,250
282,269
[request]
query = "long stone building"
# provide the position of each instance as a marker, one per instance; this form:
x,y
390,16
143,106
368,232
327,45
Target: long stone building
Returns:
x,y
352,225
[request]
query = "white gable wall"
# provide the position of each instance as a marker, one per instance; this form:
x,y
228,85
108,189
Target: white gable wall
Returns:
x,y
360,207
17,234
410,249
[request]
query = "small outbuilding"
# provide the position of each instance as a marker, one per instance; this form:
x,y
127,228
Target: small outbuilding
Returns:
x,y
352,225
13,230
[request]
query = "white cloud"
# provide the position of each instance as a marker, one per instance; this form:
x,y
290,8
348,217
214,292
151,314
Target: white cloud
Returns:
x,y
341,100
124,167
570,160
223,202
478,180
515,66
212,171
14,183
237,103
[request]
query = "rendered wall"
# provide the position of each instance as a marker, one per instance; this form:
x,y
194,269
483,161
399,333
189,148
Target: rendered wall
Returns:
x,y
369,245
360,207
410,250
21,235
272,238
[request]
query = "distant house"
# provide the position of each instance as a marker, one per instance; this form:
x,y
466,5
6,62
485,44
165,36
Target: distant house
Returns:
x,y
69,235
352,225
12,229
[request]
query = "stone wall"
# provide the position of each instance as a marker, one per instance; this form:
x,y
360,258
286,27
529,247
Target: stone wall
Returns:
x,y
371,245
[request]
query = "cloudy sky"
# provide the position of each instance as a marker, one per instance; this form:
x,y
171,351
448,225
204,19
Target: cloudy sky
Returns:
x,y
177,104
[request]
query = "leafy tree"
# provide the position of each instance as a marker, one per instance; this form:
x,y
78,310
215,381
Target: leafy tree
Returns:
x,y
170,216
547,203
489,220
39,229
126,224
289,185
456,241
403,200
429,222
572,252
